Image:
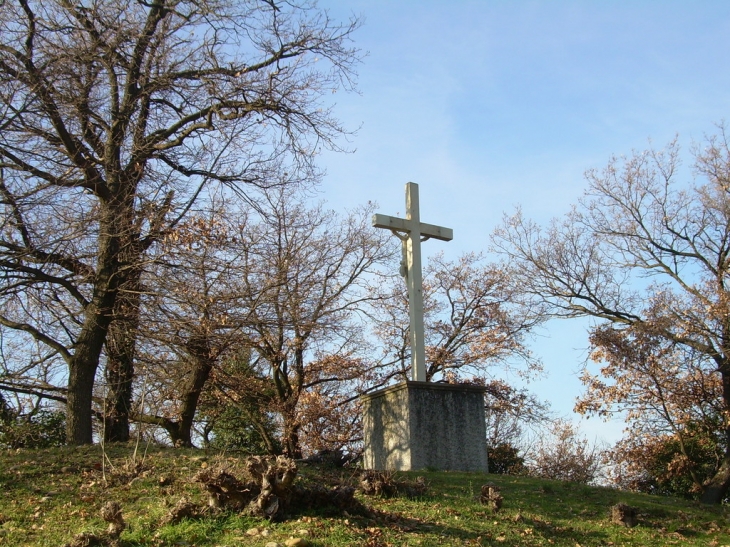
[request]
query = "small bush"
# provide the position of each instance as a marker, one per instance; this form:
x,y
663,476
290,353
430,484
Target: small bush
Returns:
x,y
504,460
564,455
44,429
667,464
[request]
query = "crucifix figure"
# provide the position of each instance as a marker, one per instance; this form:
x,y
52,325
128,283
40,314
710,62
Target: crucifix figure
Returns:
x,y
411,231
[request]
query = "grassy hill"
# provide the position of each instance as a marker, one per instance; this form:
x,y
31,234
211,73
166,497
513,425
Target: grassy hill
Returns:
x,y
49,496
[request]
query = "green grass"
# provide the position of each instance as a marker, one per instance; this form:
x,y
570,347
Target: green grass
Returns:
x,y
48,496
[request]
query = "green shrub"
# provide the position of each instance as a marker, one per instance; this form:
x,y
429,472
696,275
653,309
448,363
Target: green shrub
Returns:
x,y
505,460
234,429
666,465
44,429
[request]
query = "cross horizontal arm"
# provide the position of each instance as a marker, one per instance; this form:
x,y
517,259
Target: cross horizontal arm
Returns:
x,y
403,225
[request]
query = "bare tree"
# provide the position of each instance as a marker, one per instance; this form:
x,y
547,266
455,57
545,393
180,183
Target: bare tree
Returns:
x,y
303,279
641,251
189,320
114,116
282,285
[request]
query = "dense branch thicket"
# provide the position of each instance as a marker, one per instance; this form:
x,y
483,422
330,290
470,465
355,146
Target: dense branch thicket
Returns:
x,y
671,395
259,313
303,281
474,318
115,116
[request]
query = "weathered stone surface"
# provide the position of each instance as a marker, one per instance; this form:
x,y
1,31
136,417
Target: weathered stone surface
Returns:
x,y
297,542
418,425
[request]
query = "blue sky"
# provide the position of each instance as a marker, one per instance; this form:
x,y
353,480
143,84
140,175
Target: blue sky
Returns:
x,y
492,104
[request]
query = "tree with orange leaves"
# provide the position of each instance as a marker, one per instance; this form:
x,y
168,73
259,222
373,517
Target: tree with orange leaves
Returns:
x,y
649,257
671,397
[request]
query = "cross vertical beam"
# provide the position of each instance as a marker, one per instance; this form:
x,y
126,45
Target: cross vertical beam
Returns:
x,y
412,232
414,281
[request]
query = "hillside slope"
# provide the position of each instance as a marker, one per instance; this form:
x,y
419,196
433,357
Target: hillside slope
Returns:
x,y
51,496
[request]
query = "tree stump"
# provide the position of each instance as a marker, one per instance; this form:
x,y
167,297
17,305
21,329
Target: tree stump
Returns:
x,y
112,513
183,509
624,515
275,477
225,490
378,483
491,497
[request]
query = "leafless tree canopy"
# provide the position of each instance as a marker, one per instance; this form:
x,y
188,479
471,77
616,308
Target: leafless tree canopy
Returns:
x,y
114,117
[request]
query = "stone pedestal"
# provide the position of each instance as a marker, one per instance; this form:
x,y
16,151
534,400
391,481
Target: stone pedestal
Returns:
x,y
415,425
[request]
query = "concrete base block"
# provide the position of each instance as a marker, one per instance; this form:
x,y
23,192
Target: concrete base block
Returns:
x,y
415,425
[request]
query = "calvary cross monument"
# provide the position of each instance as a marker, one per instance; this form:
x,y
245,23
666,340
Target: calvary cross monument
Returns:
x,y
419,424
411,231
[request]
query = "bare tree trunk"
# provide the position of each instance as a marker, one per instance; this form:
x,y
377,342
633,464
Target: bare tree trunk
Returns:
x,y
293,448
716,488
271,445
120,347
202,364
290,440
119,376
97,317
78,405
82,371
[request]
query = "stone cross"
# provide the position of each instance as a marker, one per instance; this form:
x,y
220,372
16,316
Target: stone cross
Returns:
x,y
411,231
